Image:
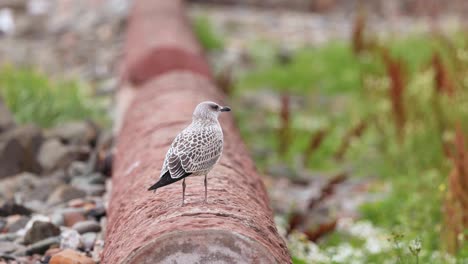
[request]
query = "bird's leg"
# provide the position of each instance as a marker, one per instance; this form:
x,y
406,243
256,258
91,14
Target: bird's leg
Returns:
x,y
206,188
183,191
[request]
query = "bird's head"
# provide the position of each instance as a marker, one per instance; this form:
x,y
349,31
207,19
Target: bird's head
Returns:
x,y
209,111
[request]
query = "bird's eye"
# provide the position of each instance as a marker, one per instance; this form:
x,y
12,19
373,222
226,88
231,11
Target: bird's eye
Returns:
x,y
214,107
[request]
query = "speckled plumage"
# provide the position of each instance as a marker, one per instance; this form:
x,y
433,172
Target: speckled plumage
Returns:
x,y
195,150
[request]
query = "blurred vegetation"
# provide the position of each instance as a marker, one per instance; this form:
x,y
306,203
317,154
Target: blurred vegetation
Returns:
x,y
206,34
33,97
386,109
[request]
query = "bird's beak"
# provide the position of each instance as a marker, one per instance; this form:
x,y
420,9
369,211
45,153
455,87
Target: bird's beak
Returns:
x,y
225,109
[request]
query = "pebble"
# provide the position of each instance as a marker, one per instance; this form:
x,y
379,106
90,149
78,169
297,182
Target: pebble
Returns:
x,y
3,223
71,218
70,239
8,209
65,193
52,251
98,212
87,226
69,256
8,237
40,231
88,240
42,246
7,247
57,219
15,223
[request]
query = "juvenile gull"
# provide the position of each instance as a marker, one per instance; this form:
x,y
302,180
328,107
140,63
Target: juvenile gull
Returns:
x,y
196,149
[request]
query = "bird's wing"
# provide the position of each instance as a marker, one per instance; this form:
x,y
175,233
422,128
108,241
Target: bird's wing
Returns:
x,y
193,151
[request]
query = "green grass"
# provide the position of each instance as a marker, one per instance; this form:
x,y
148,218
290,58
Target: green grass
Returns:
x,y
329,69
206,35
338,89
34,98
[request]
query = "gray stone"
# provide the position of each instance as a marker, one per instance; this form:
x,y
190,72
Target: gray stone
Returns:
x,y
57,219
96,178
36,206
54,155
10,208
7,247
92,184
88,240
8,237
87,226
65,193
77,133
40,231
30,138
70,239
3,224
20,183
15,223
95,189
28,187
42,246
18,5
77,168
11,154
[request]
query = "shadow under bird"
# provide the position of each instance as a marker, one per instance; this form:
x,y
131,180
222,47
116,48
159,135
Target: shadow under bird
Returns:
x,y
195,150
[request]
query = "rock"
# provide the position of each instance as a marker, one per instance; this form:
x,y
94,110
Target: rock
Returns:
x,y
87,226
10,208
103,222
97,212
53,155
75,133
77,203
8,237
7,247
71,218
69,256
36,206
15,223
11,154
70,239
20,183
40,231
88,240
3,224
17,5
78,168
93,184
7,257
94,189
52,251
46,185
96,178
42,246
98,249
6,118
30,139
65,193
57,219
28,187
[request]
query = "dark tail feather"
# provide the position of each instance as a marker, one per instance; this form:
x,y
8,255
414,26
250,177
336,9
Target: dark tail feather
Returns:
x,y
166,179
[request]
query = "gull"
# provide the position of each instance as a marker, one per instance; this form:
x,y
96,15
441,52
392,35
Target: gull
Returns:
x,y
195,150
